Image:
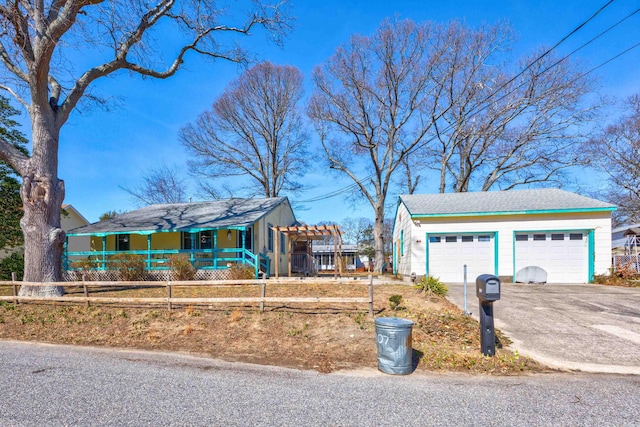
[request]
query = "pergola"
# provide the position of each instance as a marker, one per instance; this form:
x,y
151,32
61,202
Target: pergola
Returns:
x,y
310,233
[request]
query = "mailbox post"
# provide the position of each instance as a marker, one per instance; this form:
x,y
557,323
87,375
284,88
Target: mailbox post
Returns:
x,y
488,291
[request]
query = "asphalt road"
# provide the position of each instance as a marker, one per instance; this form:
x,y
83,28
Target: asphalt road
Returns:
x,y
59,385
590,328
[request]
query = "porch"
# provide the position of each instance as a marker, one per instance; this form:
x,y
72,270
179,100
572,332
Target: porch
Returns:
x,y
202,248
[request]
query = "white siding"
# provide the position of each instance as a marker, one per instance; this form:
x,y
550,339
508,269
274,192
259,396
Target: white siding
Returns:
x,y
406,263
281,215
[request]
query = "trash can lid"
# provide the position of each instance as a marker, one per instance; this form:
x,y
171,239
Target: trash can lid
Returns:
x,y
393,321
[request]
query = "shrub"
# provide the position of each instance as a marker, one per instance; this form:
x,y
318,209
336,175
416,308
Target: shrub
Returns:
x,y
241,272
181,268
395,301
431,285
130,267
623,275
86,264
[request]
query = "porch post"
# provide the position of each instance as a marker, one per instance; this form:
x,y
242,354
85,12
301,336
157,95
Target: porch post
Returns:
x,y
148,252
104,250
193,246
335,254
289,253
276,250
66,253
243,237
214,248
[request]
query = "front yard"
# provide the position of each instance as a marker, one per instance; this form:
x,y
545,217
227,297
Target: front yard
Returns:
x,y
322,337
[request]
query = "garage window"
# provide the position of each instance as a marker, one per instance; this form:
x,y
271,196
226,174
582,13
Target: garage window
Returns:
x,y
575,236
539,237
522,237
484,238
557,237
467,238
434,239
451,239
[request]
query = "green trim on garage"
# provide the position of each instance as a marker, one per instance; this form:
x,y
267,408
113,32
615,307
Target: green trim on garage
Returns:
x,y
524,212
592,255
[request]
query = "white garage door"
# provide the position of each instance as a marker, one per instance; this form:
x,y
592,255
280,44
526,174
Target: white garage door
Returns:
x,y
563,255
448,254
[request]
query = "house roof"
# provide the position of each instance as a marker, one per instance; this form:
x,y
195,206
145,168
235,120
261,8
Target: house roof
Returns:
x,y
69,208
545,200
227,213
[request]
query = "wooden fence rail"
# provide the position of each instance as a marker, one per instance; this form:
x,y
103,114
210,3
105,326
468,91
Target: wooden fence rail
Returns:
x,y
170,299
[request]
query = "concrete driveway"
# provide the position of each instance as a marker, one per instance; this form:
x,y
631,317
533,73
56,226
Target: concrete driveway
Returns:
x,y
589,328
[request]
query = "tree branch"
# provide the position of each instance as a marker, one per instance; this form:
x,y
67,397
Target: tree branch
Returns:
x,y
10,154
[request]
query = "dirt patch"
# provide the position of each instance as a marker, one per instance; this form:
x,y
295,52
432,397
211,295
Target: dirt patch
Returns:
x,y
323,337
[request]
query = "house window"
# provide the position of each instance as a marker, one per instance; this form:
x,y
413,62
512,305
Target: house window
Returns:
x,y
186,241
467,238
283,244
540,237
201,240
522,237
122,242
434,239
205,239
575,236
487,238
270,238
557,236
451,239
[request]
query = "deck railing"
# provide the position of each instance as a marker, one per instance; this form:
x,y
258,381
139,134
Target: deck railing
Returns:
x,y
158,259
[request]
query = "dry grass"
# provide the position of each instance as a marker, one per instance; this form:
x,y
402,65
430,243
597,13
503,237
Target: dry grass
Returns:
x,y
322,337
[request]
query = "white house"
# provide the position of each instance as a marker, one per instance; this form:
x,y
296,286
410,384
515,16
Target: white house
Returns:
x,y
502,232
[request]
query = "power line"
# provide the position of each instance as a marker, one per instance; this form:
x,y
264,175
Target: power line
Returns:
x,y
355,185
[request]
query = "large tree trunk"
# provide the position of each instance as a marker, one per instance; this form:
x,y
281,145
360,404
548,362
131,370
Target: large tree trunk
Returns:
x,y
42,195
378,238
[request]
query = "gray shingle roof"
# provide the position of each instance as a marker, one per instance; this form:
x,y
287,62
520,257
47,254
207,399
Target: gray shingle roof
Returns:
x,y
516,201
186,216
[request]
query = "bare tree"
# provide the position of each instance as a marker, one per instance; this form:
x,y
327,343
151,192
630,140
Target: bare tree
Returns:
x,y
501,131
162,184
253,130
375,100
36,48
615,152
355,229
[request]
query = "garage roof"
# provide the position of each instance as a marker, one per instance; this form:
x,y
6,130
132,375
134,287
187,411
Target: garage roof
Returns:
x,y
227,213
545,200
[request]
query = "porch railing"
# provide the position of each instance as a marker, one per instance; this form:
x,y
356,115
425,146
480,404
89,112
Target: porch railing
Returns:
x,y
204,259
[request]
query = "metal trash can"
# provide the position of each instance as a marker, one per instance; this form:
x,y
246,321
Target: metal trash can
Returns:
x,y
393,336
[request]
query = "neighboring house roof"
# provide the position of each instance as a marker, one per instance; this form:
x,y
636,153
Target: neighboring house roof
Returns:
x,y
70,209
501,203
228,213
619,234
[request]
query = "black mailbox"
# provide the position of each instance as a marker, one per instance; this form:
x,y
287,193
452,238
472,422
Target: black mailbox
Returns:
x,y
488,288
488,291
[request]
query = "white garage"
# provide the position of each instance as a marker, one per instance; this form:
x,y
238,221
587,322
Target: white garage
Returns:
x,y
565,234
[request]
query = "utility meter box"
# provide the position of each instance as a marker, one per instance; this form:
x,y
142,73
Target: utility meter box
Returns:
x,y
488,288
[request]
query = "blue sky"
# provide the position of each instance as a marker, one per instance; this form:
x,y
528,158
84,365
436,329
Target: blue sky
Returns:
x,y
101,151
